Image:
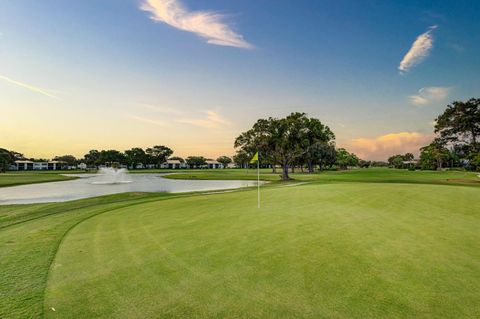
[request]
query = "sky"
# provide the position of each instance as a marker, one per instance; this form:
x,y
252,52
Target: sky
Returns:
x,y
193,75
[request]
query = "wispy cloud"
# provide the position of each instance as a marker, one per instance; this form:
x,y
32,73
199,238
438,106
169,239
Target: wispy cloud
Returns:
x,y
206,24
457,47
162,109
212,120
429,95
382,147
28,87
420,49
147,120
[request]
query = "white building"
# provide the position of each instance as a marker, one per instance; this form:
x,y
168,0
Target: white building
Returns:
x,y
39,166
213,164
173,164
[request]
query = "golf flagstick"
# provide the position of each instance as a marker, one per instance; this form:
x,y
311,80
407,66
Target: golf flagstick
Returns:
x,y
257,159
258,179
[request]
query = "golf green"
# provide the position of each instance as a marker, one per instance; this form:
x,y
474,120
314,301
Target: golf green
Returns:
x,y
343,250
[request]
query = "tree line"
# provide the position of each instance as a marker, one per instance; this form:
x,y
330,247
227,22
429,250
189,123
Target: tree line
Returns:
x,y
153,156
456,142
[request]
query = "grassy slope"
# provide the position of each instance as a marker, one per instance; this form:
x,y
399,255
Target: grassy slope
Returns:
x,y
29,238
21,178
341,250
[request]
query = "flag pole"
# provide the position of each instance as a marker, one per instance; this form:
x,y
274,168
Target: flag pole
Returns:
x,y
258,179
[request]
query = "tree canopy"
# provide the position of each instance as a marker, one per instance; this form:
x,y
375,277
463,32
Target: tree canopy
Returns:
x,y
225,160
346,159
283,140
460,124
135,156
70,160
159,153
6,160
196,161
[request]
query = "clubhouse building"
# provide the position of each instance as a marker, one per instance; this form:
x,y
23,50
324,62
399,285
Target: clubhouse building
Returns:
x,y
39,166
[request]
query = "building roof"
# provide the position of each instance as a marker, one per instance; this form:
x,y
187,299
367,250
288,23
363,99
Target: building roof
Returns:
x,y
37,162
211,162
173,161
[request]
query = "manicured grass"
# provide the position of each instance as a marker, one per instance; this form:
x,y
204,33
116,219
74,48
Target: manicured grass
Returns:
x,y
370,175
312,251
29,238
344,245
31,177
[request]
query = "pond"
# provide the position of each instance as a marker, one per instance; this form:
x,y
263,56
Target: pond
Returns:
x,y
91,185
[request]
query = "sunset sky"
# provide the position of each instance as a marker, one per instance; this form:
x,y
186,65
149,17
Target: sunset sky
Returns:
x,y
192,75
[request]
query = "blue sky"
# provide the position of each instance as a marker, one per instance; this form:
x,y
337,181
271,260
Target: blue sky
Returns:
x,y
194,74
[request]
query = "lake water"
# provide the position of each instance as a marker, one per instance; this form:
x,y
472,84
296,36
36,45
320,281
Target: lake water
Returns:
x,y
91,185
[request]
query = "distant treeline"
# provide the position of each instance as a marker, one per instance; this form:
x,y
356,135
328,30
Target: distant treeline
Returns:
x,y
152,157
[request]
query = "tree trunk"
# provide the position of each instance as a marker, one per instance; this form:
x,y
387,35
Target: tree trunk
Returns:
x,y
439,163
274,169
474,141
293,169
310,167
285,176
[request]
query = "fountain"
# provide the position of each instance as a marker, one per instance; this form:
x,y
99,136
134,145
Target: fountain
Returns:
x,y
110,175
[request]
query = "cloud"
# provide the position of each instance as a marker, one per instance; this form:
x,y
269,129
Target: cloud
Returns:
x,y
384,146
429,95
206,24
28,87
212,120
147,120
457,47
420,49
163,109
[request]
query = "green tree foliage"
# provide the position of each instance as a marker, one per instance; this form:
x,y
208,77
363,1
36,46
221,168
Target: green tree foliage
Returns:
x,y
379,164
322,154
70,160
225,160
159,154
135,156
397,161
178,158
460,124
196,161
241,159
474,163
346,159
6,159
111,157
283,140
92,158
364,164
433,155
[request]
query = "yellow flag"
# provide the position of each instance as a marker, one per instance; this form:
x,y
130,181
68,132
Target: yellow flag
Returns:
x,y
254,158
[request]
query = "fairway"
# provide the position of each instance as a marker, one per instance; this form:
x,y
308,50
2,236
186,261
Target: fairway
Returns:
x,y
351,250
29,177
